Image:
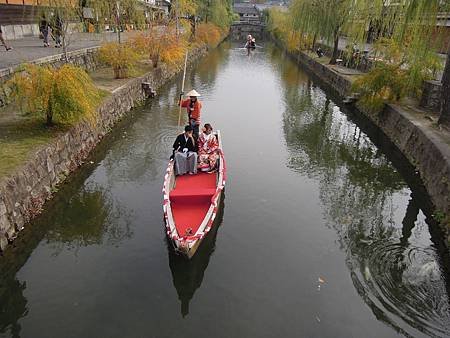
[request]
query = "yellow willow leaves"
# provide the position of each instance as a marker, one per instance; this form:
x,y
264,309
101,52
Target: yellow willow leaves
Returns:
x,y
209,34
384,83
121,57
67,93
173,51
395,74
165,46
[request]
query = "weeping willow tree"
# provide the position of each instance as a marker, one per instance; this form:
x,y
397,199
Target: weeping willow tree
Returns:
x,y
331,19
118,13
218,12
405,52
66,92
404,33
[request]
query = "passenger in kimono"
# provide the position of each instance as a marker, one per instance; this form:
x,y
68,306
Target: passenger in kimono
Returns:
x,y
207,149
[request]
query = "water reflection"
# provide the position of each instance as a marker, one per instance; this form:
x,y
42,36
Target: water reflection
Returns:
x,y
13,304
88,219
87,215
396,268
188,275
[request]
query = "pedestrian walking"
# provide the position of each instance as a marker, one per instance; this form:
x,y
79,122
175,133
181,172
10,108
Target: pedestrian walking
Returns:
x,y
57,30
44,29
8,48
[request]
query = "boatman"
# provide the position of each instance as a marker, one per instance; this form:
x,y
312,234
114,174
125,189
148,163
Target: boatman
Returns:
x,y
193,107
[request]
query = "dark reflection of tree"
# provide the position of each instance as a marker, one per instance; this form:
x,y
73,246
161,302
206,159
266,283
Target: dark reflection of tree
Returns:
x,y
401,281
188,274
95,211
207,71
89,218
13,304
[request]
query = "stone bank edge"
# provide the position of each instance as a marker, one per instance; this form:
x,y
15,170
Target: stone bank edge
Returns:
x,y
24,193
419,143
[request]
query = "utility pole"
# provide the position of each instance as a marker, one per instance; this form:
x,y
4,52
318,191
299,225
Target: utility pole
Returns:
x,y
176,19
118,19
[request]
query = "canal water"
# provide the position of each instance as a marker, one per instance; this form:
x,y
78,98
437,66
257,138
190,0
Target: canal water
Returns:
x,y
324,229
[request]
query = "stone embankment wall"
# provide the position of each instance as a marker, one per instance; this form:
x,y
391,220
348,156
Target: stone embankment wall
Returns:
x,y
22,195
418,141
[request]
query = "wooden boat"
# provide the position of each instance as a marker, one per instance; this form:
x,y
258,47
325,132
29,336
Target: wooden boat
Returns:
x,y
191,204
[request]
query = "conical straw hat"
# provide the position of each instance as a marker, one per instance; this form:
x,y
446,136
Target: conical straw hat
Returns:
x,y
193,92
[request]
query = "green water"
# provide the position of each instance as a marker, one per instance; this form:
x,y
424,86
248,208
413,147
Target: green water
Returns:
x,y
324,229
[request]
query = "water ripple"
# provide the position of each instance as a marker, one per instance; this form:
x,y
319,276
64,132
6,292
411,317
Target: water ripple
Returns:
x,y
406,284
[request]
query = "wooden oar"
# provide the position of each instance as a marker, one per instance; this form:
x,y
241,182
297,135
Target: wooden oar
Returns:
x,y
182,88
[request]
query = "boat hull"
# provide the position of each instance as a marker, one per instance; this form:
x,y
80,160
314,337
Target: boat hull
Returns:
x,y
191,204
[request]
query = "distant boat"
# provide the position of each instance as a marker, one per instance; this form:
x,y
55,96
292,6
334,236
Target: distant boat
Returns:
x,y
191,204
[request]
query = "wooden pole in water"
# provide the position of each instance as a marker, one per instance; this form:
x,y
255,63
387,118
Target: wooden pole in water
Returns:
x,y
182,88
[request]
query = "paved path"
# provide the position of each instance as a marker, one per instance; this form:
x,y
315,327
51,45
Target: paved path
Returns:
x,y
32,48
343,42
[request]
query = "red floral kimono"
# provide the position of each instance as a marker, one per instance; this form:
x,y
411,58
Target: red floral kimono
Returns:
x,y
207,151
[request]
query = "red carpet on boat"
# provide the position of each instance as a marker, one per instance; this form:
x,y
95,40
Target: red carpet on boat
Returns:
x,y
191,199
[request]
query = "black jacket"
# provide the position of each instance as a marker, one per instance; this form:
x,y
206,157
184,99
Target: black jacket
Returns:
x,y
181,143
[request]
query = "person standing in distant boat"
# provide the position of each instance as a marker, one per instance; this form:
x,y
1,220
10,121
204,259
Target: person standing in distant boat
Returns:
x,y
193,107
250,44
185,154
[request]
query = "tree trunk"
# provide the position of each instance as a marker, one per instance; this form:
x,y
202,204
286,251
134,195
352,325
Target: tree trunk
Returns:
x,y
49,112
118,21
64,46
444,118
49,116
313,47
335,48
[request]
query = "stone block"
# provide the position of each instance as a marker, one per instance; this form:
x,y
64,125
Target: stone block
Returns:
x,y
431,96
19,222
18,31
3,241
27,30
50,165
11,233
5,224
3,209
35,29
8,32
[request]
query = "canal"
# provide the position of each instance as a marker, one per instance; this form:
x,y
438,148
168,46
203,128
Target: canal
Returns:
x,y
324,229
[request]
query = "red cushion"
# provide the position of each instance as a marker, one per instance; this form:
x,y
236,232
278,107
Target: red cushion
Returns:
x,y
191,199
191,196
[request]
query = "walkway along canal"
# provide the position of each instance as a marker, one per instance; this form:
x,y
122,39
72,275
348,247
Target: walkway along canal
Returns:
x,y
325,231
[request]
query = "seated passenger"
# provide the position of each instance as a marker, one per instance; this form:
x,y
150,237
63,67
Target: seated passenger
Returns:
x,y
207,149
185,154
